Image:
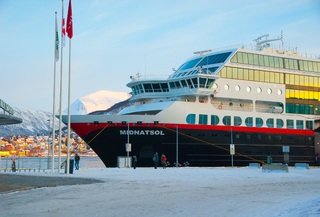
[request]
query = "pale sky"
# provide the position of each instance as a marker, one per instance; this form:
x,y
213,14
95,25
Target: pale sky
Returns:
x,y
114,39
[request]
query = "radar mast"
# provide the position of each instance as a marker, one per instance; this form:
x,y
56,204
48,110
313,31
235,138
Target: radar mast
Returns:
x,y
263,43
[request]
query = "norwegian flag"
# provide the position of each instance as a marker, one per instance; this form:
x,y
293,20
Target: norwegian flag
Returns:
x,y
69,21
63,31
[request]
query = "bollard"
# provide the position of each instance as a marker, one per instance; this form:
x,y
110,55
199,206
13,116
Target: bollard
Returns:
x,y
269,160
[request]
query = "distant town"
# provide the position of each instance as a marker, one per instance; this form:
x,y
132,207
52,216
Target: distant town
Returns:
x,y
41,146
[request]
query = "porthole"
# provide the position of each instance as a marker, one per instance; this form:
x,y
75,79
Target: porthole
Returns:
x,y
269,91
259,90
248,89
230,103
279,92
215,86
237,88
226,87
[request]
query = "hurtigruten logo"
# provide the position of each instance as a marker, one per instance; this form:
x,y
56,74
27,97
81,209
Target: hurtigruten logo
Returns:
x,y
142,132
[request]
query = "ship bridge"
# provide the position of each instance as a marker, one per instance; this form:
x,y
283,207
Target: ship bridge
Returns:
x,y
194,77
7,114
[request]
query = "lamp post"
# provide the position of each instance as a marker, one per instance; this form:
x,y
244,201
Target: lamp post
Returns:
x,y
48,139
127,147
232,148
177,146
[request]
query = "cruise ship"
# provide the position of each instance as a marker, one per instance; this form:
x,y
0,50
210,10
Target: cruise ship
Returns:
x,y
222,107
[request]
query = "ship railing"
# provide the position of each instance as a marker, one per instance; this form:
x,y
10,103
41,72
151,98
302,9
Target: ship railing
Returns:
x,y
283,48
6,108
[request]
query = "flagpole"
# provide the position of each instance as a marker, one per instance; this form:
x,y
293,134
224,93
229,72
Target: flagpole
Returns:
x,y
60,104
69,87
56,53
70,34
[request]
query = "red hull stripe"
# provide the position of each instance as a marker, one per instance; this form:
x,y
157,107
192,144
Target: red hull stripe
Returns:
x,y
82,129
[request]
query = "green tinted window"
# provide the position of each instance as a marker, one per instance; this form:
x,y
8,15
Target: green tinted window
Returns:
x,y
280,123
237,121
249,121
226,120
214,120
191,119
259,122
203,119
290,124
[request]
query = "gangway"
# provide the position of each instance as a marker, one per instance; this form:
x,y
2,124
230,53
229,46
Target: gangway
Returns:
x,y
7,114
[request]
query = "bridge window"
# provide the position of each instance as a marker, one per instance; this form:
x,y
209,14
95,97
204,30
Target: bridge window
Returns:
x,y
190,83
184,83
189,64
213,59
156,87
172,85
202,82
210,83
147,88
164,87
195,82
211,70
177,83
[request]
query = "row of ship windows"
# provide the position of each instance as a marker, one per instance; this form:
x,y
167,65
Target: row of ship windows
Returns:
x,y
290,93
200,70
197,82
277,62
303,94
302,109
269,77
248,89
237,121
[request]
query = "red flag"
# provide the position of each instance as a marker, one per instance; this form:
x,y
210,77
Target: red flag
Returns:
x,y
69,21
63,31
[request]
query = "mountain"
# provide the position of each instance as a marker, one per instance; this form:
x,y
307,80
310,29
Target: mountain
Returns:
x,y
98,101
35,122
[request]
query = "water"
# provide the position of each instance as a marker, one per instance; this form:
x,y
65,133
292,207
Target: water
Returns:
x,y
41,163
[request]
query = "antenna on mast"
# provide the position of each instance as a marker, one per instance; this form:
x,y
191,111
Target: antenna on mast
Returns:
x,y
260,44
282,40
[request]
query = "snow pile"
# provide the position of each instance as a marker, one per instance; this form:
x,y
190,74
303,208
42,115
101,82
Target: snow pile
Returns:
x,y
180,192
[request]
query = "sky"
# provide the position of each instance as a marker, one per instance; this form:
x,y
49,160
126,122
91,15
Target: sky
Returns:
x,y
179,192
113,40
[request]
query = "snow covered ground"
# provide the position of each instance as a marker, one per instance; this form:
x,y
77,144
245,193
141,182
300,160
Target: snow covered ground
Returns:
x,y
173,192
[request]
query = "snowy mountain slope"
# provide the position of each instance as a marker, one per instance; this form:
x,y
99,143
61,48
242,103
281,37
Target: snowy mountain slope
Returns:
x,y
35,122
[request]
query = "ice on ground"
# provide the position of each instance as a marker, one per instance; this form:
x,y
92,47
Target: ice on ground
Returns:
x,y
178,192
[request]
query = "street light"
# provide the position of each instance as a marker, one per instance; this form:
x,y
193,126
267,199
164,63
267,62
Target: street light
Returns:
x,y
48,139
177,146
